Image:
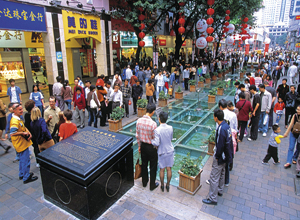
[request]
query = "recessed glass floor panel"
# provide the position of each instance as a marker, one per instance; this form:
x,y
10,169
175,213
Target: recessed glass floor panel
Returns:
x,y
190,116
179,129
197,138
209,121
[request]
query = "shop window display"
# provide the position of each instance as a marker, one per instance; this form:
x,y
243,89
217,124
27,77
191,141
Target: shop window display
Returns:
x,y
38,67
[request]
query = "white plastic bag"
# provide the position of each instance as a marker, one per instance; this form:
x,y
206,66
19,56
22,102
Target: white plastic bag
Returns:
x,y
266,119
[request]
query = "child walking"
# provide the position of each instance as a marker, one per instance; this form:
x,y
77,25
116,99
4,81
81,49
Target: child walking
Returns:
x,y
278,109
273,146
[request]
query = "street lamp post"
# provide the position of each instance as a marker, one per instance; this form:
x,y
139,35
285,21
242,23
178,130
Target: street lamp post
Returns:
x,y
154,57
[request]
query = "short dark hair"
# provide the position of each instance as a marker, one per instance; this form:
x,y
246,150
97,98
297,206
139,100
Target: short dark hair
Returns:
x,y
108,82
78,77
223,103
275,127
52,97
248,74
293,86
262,86
229,104
241,86
246,80
151,107
163,117
252,87
219,114
126,80
87,81
11,80
237,83
68,114
284,79
78,88
29,105
11,104
150,81
242,95
92,87
58,78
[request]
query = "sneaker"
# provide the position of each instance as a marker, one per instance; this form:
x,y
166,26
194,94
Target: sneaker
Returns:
x,y
276,123
249,139
207,182
264,134
259,131
276,163
245,135
37,165
265,163
227,184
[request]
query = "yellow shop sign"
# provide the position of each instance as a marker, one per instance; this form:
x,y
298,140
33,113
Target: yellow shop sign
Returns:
x,y
81,26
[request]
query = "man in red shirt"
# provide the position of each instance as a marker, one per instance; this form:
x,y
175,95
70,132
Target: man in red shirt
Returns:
x,y
251,79
145,127
79,106
68,128
74,90
244,108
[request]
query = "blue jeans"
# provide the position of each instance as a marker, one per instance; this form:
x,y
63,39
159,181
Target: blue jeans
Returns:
x,y
41,109
24,164
92,117
291,155
159,88
68,102
278,117
146,80
261,126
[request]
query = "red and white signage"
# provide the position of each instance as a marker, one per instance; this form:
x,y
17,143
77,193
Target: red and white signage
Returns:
x,y
201,25
201,43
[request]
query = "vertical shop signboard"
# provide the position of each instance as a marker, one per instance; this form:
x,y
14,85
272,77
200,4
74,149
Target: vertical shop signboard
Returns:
x,y
24,17
90,62
155,58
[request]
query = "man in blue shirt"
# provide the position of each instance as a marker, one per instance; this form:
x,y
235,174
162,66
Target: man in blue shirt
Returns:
x,y
223,154
14,92
136,69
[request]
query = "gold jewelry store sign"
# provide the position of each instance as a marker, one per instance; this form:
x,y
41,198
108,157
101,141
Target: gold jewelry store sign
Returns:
x,y
81,26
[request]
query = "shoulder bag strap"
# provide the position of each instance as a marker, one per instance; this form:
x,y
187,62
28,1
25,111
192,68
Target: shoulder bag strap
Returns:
x,y
242,105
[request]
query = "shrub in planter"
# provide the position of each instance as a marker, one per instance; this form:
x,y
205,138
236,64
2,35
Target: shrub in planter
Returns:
x,y
220,74
179,93
211,143
207,78
115,121
190,175
212,95
142,105
201,82
214,77
220,86
163,99
192,84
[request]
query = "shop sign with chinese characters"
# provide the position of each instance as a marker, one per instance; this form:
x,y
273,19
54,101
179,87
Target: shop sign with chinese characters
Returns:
x,y
12,39
81,26
17,16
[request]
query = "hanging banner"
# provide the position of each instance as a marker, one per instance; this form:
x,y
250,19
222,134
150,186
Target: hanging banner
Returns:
x,y
81,26
23,17
266,49
247,49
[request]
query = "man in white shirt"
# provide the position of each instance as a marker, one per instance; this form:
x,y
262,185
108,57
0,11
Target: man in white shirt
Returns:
x,y
128,73
57,93
292,73
117,97
108,100
86,92
160,83
204,69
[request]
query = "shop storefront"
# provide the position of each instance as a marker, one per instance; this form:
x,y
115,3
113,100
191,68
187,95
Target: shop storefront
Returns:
x,y
21,46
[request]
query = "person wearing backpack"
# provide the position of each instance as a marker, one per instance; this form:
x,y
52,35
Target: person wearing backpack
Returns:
x,y
92,103
294,130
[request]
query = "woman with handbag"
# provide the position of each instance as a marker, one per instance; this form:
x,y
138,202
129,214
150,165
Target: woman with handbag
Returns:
x,y
39,130
101,92
93,103
294,130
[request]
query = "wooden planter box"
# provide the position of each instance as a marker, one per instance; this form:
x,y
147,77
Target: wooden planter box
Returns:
x,y
241,75
162,102
200,84
220,75
210,150
189,184
114,126
141,112
178,95
220,91
192,88
211,99
214,78
207,80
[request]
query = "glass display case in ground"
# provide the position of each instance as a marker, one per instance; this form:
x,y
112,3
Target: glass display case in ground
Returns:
x,y
11,67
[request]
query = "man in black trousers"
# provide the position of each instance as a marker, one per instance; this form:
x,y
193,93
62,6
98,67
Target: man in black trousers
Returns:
x,y
256,105
137,93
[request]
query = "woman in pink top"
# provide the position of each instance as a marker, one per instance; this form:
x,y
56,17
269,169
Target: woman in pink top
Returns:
x,y
257,79
269,80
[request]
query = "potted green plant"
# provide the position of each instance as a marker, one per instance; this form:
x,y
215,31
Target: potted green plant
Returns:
x,y
207,78
115,121
214,77
211,143
190,174
142,105
220,73
212,95
201,82
179,93
220,86
192,84
163,99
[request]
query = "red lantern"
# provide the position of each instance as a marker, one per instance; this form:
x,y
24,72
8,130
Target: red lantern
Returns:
x,y
209,21
209,39
210,11
246,19
181,30
250,27
245,25
210,2
140,9
227,17
226,29
181,21
233,44
142,26
244,32
227,12
181,4
242,29
244,38
142,17
223,35
209,30
141,43
226,23
142,35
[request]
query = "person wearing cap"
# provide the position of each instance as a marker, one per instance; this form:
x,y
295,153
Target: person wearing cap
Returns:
x,y
14,92
58,94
